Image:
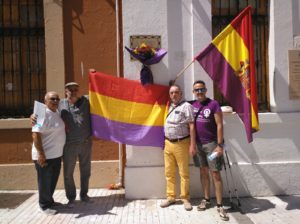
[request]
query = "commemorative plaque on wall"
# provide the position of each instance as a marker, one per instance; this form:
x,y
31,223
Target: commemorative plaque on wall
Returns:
x,y
294,74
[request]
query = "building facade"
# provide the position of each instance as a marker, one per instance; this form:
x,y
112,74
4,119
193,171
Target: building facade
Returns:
x,y
267,166
43,45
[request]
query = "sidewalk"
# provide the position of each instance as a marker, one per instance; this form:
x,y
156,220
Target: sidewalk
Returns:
x,y
110,206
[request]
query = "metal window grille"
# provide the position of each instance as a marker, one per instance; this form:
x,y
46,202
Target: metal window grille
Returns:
x,y
224,11
22,56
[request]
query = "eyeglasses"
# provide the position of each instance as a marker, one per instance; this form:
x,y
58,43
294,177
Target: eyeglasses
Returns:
x,y
54,99
200,90
73,90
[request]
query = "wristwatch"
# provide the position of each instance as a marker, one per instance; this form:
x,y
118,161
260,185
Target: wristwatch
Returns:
x,y
221,145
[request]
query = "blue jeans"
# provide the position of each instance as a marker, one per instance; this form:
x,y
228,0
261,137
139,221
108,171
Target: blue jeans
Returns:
x,y
47,177
82,151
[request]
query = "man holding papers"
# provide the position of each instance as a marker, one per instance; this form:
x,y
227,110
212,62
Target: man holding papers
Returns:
x,y
48,142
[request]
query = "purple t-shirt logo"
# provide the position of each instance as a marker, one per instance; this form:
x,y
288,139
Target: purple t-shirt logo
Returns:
x,y
206,113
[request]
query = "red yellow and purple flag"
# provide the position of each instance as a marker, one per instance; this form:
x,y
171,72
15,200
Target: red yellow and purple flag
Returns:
x,y
125,111
229,61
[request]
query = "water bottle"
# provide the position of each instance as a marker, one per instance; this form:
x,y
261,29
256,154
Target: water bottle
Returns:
x,y
212,156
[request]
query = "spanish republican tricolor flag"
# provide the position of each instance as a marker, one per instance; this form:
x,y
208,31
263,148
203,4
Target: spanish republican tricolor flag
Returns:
x,y
229,61
125,111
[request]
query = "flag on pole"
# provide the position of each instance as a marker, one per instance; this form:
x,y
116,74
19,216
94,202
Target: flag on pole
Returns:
x,y
229,61
125,111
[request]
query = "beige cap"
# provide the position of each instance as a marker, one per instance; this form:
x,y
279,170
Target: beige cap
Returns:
x,y
71,84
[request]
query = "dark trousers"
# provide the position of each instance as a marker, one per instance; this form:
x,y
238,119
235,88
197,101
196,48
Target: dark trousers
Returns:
x,y
82,151
47,177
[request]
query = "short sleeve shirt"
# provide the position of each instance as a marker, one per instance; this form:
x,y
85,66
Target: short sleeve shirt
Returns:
x,y
53,136
206,126
177,122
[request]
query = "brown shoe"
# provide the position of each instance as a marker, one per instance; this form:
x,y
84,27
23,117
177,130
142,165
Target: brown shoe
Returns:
x,y
203,205
187,205
167,203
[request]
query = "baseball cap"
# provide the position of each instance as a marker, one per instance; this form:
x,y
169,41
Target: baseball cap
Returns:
x,y
71,84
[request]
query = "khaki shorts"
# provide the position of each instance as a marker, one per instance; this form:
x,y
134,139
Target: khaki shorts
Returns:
x,y
201,160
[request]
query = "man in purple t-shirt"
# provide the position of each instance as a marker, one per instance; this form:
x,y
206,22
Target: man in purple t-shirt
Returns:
x,y
209,130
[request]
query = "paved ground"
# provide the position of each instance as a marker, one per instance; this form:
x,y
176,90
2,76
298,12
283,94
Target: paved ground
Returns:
x,y
110,206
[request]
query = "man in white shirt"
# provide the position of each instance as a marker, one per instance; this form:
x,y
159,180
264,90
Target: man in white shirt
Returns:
x,y
47,149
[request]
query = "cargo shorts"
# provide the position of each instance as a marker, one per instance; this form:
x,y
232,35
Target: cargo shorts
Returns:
x,y
201,157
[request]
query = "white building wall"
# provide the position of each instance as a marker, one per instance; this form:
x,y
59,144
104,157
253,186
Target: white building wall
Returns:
x,y
281,39
270,164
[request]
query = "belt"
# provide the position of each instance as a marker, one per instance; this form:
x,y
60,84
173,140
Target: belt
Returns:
x,y
177,139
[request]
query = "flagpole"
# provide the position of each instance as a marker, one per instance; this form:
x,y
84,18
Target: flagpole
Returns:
x,y
181,72
119,75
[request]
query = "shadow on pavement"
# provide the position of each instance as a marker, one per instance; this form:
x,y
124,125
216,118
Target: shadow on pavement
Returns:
x,y
293,202
255,205
96,206
13,200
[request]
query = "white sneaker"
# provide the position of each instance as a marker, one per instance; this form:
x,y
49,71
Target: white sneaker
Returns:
x,y
49,211
167,203
187,205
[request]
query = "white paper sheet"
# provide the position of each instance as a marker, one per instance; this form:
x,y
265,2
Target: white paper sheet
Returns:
x,y
39,110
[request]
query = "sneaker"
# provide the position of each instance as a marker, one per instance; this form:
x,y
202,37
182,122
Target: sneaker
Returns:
x,y
49,211
204,204
85,199
71,204
167,203
223,214
56,204
187,205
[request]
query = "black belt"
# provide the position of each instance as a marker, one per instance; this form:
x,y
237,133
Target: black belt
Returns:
x,y
177,139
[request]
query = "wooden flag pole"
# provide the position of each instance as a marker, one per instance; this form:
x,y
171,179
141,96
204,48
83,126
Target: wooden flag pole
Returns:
x,y
181,72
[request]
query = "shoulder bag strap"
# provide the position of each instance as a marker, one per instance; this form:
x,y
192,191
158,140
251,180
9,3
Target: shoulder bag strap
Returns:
x,y
174,108
195,120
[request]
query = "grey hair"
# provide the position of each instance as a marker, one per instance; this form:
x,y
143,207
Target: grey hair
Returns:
x,y
48,93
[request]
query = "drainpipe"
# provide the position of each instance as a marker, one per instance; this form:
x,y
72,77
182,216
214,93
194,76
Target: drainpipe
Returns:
x,y
119,75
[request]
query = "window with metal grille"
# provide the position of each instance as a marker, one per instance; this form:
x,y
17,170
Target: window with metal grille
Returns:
x,y
224,11
22,57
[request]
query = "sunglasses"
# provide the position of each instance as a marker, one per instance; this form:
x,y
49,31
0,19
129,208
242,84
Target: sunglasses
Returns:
x,y
200,90
54,99
73,90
